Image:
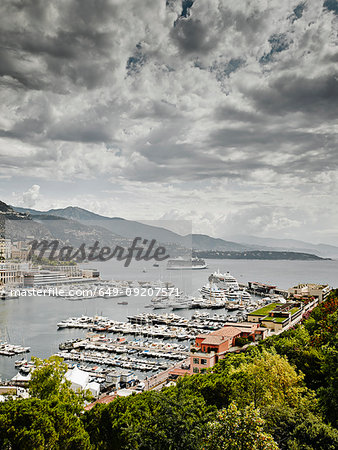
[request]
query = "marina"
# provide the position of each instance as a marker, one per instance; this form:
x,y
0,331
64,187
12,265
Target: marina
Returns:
x,y
7,349
33,320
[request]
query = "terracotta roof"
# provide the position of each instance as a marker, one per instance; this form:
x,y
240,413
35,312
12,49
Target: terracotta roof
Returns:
x,y
214,340
202,336
105,399
227,331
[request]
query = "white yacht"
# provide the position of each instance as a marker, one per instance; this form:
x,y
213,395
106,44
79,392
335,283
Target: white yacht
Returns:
x,y
197,303
211,291
224,281
245,295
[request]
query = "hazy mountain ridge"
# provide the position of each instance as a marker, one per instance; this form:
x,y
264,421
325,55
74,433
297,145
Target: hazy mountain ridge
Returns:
x,y
131,229
98,226
43,225
279,244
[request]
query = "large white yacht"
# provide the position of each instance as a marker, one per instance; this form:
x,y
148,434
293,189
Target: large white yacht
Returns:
x,y
224,281
210,290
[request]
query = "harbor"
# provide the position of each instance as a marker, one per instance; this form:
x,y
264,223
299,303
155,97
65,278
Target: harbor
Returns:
x,y
32,321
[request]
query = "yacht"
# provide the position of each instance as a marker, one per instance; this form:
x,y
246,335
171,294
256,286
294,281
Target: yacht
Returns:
x,y
211,291
197,303
245,295
224,281
186,264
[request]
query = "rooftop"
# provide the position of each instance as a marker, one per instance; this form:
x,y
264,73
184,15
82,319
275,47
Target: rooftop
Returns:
x,y
265,310
214,340
229,331
223,334
275,319
310,286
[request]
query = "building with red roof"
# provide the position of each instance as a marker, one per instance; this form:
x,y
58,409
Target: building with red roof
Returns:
x,y
210,348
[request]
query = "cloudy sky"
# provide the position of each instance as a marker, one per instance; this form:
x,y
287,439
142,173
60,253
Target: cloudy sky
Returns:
x,y
219,111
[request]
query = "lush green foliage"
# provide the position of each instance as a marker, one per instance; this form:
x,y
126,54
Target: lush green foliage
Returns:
x,y
50,419
48,383
239,430
172,419
282,391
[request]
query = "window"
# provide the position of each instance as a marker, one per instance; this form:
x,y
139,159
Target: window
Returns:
x,y
203,361
196,361
195,370
203,370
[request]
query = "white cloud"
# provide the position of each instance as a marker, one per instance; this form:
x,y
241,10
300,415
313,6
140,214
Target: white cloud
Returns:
x,y
234,104
30,197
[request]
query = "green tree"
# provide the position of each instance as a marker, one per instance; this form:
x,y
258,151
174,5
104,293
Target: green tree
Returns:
x,y
171,419
299,427
314,434
50,418
268,380
328,393
237,429
48,383
39,424
296,345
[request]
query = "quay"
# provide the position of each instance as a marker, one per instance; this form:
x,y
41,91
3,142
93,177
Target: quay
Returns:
x,y
262,290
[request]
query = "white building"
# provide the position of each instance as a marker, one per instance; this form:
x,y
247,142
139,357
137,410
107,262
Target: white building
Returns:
x,y
11,273
5,249
319,291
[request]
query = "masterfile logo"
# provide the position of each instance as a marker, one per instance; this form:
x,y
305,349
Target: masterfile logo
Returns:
x,y
139,250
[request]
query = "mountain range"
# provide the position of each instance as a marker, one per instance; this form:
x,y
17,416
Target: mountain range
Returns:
x,y
74,225
131,229
278,244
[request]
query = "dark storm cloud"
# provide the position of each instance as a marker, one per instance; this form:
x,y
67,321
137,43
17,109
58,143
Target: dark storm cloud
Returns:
x,y
287,94
65,42
184,98
192,36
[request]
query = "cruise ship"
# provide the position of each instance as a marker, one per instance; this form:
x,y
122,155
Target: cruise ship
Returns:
x,y
186,264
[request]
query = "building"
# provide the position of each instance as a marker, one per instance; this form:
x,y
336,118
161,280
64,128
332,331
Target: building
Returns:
x,y
11,273
69,270
260,288
54,275
5,249
310,290
43,277
20,250
259,314
212,347
90,273
277,316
